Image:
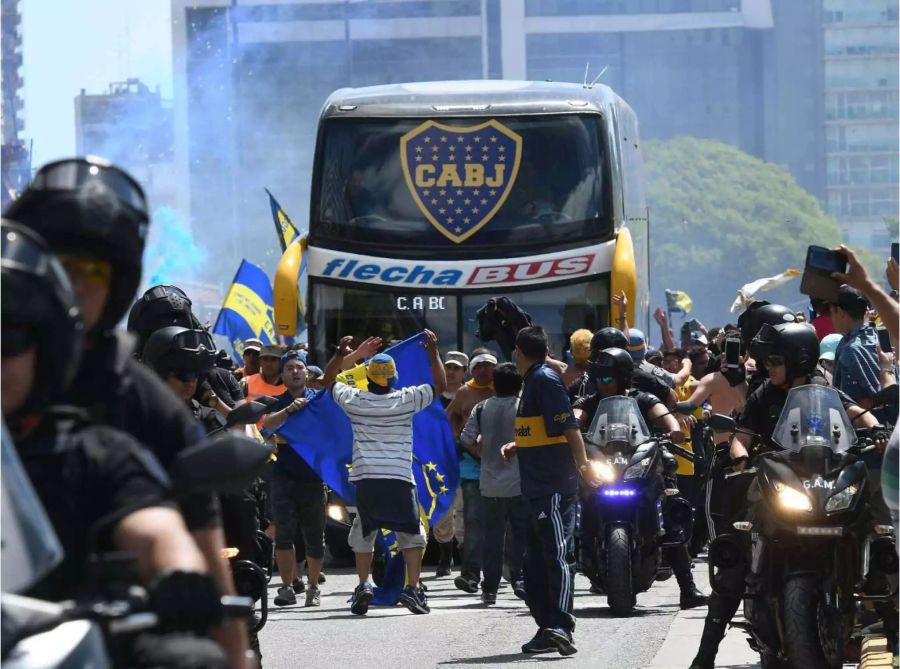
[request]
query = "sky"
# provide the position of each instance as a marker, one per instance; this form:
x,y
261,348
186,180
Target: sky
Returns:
x,y
68,45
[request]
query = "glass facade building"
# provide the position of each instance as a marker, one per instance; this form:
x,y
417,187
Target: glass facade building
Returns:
x,y
861,117
251,77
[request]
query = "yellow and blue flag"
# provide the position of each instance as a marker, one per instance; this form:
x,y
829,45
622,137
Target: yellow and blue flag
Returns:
x,y
247,310
322,435
678,302
284,228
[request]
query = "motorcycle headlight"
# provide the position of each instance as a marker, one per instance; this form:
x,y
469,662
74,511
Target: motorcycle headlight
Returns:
x,y
638,469
603,471
338,513
791,499
840,500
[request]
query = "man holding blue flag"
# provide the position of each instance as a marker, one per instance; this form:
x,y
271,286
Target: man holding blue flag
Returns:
x,y
381,419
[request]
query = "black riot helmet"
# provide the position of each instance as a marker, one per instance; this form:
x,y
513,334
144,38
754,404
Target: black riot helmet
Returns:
x,y
175,348
86,206
605,338
761,313
160,306
613,362
797,343
39,310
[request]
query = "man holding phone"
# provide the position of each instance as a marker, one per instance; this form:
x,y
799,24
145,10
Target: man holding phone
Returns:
x,y
856,368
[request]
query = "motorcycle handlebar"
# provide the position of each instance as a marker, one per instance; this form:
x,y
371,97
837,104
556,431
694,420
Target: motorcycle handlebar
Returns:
x,y
232,607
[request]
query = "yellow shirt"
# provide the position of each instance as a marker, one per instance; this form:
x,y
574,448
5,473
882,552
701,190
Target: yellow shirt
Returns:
x,y
684,392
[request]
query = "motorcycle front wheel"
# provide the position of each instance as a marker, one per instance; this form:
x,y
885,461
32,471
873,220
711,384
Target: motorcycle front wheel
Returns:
x,y
807,634
619,594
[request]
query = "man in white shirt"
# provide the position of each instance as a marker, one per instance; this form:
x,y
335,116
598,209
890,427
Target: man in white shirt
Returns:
x,y
381,469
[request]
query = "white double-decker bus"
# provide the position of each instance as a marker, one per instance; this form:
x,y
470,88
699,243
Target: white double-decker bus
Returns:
x,y
430,198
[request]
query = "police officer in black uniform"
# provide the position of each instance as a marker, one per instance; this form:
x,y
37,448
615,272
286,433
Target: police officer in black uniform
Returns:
x,y
790,353
166,305
610,337
100,488
181,357
94,216
611,374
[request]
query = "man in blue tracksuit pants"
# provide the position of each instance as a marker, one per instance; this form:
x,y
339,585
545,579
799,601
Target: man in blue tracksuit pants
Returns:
x,y
551,454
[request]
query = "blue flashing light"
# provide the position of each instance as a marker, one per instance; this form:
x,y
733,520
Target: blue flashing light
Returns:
x,y
618,492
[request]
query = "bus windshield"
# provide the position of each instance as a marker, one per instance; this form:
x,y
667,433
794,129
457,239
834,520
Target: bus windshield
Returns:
x,y
395,314
558,191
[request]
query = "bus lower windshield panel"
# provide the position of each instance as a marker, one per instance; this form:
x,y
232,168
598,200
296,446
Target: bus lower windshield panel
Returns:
x,y
395,315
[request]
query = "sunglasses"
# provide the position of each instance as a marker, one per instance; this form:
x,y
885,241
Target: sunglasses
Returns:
x,y
775,361
606,379
184,376
92,271
15,340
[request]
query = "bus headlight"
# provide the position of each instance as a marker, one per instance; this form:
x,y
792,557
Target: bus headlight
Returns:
x,y
638,469
791,499
338,513
840,500
603,471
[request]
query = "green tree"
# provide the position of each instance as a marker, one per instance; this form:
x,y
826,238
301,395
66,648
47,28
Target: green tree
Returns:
x,y
720,218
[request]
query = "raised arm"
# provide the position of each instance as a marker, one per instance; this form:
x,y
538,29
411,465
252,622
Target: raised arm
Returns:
x,y
366,350
437,367
859,278
335,365
668,343
621,303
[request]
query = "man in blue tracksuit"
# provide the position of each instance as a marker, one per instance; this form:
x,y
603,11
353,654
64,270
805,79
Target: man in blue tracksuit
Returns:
x,y
551,454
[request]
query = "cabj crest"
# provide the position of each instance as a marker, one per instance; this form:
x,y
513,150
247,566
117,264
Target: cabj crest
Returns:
x,y
460,176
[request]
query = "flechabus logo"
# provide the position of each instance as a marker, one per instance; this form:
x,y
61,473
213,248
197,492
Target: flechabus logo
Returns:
x,y
530,271
420,275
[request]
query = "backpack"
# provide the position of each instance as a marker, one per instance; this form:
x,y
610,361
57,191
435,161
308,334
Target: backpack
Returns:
x,y
500,320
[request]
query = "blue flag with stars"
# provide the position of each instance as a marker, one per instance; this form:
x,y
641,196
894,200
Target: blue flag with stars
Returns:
x,y
322,435
460,176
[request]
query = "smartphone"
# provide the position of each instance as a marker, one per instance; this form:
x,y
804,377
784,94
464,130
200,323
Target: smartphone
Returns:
x,y
895,251
826,260
816,280
732,353
884,340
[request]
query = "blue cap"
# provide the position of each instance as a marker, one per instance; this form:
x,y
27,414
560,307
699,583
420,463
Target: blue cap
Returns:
x,y
828,346
637,344
293,355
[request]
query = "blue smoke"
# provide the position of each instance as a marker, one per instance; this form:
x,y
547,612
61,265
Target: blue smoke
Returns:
x,y
171,256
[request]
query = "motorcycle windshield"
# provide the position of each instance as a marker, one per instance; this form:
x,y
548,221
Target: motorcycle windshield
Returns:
x,y
618,424
814,416
30,548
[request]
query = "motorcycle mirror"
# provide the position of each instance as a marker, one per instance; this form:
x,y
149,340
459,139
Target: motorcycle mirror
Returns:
x,y
246,414
722,423
684,407
225,464
268,400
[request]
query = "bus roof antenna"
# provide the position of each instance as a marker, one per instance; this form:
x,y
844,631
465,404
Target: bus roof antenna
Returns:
x,y
597,78
586,66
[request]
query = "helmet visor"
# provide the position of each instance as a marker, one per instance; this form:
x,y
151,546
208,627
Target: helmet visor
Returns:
x,y
194,341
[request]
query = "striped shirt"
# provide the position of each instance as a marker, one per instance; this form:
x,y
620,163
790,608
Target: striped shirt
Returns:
x,y
382,429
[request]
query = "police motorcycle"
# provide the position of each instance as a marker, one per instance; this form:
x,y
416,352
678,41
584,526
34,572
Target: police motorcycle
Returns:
x,y
622,520
251,578
77,634
810,547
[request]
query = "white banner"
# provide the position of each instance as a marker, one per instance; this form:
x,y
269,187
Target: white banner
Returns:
x,y
462,274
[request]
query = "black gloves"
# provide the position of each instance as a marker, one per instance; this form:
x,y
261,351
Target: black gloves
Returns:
x,y
186,602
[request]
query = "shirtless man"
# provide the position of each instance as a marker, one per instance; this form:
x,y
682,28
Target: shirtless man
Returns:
x,y
726,392
476,389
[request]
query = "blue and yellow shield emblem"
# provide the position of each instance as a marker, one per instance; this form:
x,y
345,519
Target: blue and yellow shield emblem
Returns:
x,y
460,176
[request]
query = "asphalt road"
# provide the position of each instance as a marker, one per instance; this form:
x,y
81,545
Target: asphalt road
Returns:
x,y
460,631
